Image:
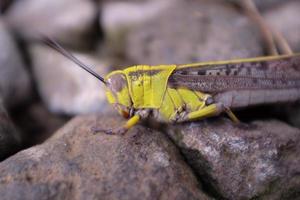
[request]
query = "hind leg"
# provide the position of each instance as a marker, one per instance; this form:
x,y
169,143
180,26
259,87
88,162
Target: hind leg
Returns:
x,y
208,111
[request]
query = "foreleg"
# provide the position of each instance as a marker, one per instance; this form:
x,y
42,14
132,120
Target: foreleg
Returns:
x,y
141,114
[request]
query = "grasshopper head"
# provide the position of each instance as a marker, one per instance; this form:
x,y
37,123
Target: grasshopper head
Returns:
x,y
117,88
118,94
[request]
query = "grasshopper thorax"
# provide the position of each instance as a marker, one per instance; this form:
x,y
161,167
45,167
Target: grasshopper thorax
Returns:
x,y
118,94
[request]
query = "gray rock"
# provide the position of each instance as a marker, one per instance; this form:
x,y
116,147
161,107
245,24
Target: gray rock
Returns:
x,y
116,22
69,21
285,19
114,16
193,31
75,164
246,161
15,85
63,86
10,139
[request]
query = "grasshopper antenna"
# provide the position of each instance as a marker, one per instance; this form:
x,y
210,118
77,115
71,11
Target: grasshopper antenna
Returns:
x,y
54,45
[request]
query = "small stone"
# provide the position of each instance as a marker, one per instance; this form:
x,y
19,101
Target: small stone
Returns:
x,y
76,164
63,86
194,31
10,139
15,85
72,22
246,161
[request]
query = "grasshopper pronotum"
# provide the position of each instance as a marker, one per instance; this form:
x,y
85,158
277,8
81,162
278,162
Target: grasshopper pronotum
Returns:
x,y
178,93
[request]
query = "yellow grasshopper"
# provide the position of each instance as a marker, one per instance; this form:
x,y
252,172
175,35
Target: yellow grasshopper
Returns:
x,y
178,93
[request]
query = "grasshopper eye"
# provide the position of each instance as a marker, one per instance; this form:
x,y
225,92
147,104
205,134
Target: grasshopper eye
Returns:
x,y
117,82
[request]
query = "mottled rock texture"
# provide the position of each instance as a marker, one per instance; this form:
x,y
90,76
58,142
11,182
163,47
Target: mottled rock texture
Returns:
x,y
144,164
244,161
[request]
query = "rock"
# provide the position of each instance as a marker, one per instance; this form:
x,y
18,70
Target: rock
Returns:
x,y
10,139
63,86
193,31
285,20
116,22
257,160
114,16
75,164
15,85
72,22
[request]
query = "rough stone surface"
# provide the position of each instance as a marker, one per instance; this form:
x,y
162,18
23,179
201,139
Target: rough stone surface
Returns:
x,y
75,164
193,31
64,87
15,86
285,19
246,161
10,139
71,21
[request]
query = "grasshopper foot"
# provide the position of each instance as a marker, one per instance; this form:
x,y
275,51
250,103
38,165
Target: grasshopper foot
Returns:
x,y
110,131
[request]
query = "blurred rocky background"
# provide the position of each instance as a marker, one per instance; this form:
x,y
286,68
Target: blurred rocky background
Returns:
x,y
48,105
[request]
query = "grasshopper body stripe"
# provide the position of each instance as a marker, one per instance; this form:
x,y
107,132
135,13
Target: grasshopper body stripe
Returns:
x,y
271,74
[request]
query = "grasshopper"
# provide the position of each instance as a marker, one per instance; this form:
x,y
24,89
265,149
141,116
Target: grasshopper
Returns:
x,y
179,93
